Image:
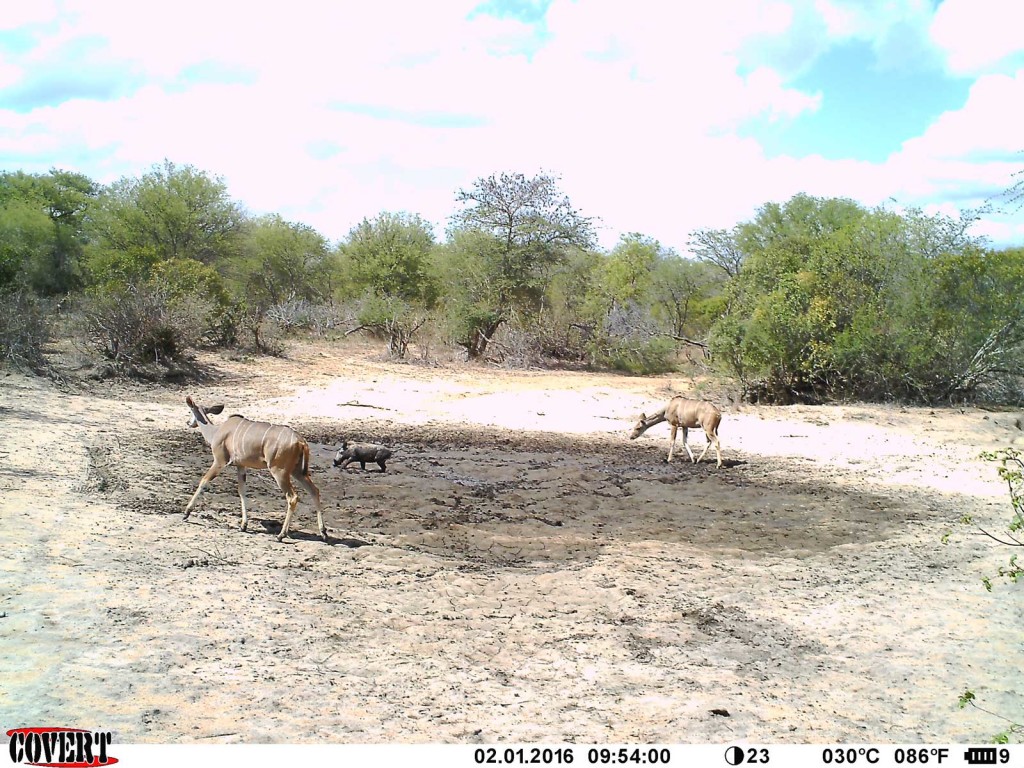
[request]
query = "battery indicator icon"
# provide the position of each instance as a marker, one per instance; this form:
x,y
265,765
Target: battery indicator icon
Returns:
x,y
980,756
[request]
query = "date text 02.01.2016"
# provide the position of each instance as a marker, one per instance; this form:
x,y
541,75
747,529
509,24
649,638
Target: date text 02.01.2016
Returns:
x,y
566,755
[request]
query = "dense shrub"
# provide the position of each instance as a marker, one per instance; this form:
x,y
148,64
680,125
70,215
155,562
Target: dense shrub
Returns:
x,y
25,326
836,301
301,314
138,324
639,356
393,319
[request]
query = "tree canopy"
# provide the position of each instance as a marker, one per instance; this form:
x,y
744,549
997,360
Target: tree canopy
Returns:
x,y
512,232
836,300
810,299
171,212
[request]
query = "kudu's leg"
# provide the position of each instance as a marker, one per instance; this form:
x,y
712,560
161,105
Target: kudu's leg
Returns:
x,y
672,443
241,495
307,482
211,473
712,440
283,478
686,445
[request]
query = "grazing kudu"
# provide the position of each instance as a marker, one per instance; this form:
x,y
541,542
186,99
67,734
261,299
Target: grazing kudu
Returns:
x,y
685,414
249,444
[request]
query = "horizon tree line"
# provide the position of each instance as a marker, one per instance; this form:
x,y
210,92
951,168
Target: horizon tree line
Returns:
x,y
811,299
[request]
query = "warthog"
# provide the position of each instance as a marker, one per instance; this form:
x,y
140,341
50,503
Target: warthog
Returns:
x,y
362,452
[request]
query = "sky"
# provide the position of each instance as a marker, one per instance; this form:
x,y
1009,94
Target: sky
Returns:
x,y
657,117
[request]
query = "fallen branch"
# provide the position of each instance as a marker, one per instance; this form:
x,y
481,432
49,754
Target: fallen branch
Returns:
x,y
354,404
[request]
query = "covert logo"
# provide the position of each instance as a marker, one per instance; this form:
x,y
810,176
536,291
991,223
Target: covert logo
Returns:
x,y
60,747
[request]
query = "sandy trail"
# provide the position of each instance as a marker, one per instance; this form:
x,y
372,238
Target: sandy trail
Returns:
x,y
523,572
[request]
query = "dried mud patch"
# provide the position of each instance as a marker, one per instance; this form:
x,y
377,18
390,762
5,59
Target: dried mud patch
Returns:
x,y
484,498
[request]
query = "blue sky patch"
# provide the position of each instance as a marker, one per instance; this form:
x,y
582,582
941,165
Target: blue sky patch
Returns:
x,y
18,41
53,89
216,72
866,112
80,70
526,11
324,149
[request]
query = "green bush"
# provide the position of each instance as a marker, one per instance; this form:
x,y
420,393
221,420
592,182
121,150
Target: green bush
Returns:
x,y
835,301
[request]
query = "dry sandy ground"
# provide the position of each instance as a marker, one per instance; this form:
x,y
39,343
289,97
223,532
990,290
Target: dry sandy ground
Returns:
x,y
523,572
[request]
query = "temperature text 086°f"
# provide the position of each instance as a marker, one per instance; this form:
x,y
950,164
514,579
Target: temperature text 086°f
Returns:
x,y
920,755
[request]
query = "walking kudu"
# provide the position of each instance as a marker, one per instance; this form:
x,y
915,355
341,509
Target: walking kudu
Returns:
x,y
249,444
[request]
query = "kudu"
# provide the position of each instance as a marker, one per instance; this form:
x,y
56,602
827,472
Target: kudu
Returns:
x,y
249,444
685,414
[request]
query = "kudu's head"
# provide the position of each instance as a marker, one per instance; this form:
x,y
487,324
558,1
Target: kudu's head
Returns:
x,y
640,427
199,415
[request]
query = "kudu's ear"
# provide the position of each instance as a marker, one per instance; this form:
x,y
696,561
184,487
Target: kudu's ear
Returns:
x,y
643,417
197,411
215,409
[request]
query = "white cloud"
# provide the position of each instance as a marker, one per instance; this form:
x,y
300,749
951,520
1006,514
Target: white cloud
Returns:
x,y
873,20
21,13
999,231
9,73
987,125
977,35
637,107
968,156
840,21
